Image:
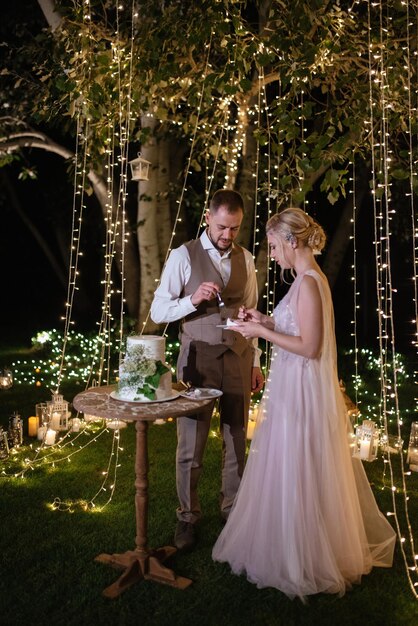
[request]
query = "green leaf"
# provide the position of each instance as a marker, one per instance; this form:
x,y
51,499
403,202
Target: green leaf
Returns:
x,y
147,391
333,196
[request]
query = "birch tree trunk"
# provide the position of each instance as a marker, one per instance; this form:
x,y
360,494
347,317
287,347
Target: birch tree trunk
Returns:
x,y
246,186
163,199
147,234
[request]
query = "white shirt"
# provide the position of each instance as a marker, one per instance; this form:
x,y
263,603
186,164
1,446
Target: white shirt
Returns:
x,y
167,305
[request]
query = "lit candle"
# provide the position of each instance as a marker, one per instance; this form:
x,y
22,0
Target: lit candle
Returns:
x,y
50,437
250,429
252,421
364,448
33,425
55,421
75,425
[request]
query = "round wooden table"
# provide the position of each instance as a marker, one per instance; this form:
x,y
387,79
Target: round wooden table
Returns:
x,y
142,562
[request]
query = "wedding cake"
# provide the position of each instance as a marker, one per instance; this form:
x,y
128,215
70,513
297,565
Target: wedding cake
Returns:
x,y
143,374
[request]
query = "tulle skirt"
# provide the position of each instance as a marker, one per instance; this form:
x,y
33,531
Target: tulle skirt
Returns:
x,y
305,519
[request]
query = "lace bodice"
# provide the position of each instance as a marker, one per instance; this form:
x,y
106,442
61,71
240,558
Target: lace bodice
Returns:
x,y
285,322
284,318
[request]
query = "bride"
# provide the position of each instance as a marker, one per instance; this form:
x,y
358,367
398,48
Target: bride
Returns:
x,y
305,519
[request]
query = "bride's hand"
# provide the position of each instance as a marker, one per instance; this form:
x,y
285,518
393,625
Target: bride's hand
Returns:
x,y
249,315
248,329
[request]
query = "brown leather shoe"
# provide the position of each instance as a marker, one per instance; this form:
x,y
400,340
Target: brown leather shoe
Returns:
x,y
184,537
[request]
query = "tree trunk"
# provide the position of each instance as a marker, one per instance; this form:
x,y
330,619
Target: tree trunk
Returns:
x,y
163,199
147,229
246,187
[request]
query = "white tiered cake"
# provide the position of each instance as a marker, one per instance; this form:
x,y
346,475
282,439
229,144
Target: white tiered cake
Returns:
x,y
143,374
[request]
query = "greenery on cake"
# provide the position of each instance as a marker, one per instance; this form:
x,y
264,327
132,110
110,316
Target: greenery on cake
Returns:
x,y
141,373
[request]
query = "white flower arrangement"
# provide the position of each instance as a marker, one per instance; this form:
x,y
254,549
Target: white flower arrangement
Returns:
x,y
140,372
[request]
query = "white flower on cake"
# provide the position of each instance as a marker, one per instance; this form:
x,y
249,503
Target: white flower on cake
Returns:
x,y
143,376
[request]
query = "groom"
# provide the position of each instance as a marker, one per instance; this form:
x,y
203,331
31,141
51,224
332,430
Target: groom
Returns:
x,y
195,276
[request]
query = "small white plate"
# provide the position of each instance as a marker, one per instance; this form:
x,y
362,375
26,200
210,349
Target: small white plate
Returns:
x,y
206,393
115,395
225,326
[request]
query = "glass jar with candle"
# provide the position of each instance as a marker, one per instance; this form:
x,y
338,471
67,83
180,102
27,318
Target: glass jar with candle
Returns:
x,y
42,413
4,444
15,431
6,378
366,441
412,457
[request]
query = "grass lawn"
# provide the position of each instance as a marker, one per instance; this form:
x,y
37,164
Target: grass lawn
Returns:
x,y
48,572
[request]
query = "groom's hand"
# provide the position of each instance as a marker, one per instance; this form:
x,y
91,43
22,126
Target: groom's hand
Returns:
x,y
257,379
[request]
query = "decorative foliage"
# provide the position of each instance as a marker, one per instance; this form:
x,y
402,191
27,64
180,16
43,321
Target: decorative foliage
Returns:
x,y
310,61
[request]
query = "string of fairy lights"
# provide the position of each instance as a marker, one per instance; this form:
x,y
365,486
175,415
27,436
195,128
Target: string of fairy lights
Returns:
x,y
117,159
356,293
385,408
383,211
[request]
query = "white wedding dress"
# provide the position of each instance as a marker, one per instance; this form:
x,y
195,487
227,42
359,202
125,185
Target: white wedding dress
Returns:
x,y
305,519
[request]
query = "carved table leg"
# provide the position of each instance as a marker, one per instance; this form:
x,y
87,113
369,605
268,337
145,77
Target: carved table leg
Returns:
x,y
141,563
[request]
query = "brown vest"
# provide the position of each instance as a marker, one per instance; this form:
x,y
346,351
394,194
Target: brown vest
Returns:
x,y
201,325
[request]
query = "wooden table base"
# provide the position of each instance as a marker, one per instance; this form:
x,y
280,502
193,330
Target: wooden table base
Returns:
x,y
139,566
142,563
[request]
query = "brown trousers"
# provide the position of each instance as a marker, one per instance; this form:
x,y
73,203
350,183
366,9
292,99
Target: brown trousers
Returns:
x,y
231,373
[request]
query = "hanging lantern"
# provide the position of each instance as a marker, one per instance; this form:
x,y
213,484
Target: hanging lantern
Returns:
x,y
4,444
6,378
139,168
412,457
367,441
58,412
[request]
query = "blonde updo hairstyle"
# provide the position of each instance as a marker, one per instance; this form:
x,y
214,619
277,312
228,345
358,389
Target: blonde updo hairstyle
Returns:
x,y
295,223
